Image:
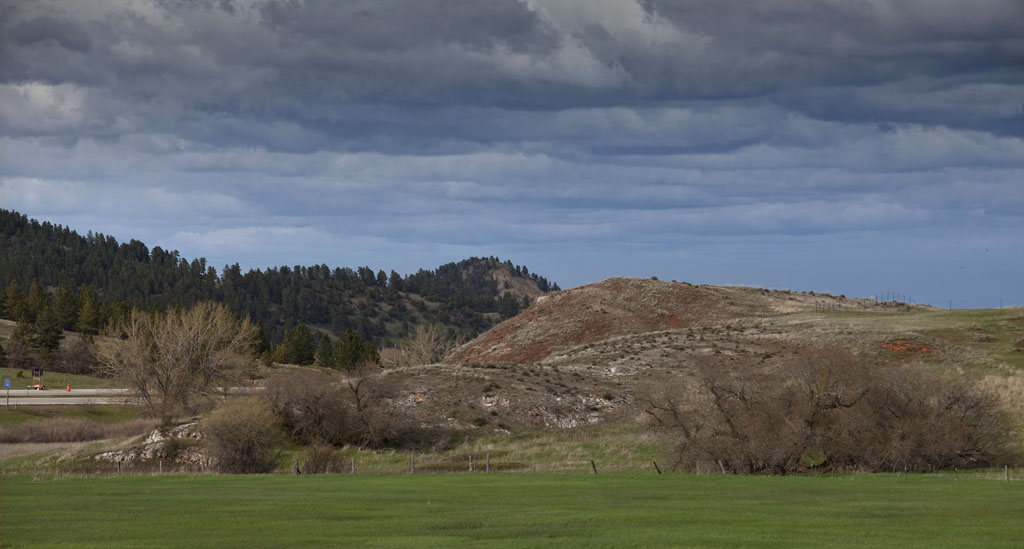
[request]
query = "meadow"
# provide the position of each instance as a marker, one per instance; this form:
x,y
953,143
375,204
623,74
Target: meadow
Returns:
x,y
535,510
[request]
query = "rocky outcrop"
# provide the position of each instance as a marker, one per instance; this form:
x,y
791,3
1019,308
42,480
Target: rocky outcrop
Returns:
x,y
175,444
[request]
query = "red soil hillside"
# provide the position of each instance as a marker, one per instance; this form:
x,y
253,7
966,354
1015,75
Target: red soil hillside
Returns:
x,y
595,312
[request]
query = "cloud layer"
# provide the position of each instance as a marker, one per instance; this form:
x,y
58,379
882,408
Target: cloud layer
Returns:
x,y
848,146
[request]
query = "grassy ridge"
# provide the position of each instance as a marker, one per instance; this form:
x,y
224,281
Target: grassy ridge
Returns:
x,y
511,510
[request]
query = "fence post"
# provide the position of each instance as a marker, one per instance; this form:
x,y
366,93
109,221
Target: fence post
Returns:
x,y
353,463
412,461
488,462
1006,473
470,463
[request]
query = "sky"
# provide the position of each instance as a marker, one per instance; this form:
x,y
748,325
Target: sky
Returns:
x,y
849,146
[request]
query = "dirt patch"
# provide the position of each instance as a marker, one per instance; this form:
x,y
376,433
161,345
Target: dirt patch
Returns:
x,y
906,346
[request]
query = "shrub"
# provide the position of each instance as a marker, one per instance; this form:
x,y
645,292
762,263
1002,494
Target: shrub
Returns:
x,y
312,407
358,409
829,412
174,446
323,459
245,436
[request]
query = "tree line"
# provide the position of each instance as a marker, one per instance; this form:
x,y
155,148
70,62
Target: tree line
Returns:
x,y
107,278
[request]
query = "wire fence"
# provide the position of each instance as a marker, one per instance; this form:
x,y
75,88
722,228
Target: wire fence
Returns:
x,y
421,464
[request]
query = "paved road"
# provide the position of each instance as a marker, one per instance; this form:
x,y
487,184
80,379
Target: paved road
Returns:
x,y
28,397
55,401
52,393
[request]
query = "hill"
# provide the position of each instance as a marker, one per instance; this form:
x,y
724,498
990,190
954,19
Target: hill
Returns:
x,y
468,297
621,306
586,355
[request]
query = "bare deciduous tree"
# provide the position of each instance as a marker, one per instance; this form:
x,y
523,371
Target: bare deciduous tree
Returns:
x,y
429,345
172,359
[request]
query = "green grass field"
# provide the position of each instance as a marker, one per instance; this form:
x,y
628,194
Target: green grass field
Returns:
x,y
511,510
103,413
54,381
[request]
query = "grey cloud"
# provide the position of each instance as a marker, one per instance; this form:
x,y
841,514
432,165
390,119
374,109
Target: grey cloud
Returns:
x,y
365,75
44,29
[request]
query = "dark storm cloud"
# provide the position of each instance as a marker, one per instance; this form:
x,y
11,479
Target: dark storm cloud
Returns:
x,y
383,75
43,29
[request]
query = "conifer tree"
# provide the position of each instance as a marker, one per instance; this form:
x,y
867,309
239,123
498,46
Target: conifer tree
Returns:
x,y
88,314
298,345
325,353
37,300
48,333
14,301
65,306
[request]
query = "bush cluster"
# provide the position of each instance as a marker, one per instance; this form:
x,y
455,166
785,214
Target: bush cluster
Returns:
x,y
829,412
357,409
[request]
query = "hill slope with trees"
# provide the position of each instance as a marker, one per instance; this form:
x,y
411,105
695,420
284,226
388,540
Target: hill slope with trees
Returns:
x,y
77,282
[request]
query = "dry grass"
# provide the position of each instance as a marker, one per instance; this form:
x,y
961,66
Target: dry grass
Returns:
x,y
64,429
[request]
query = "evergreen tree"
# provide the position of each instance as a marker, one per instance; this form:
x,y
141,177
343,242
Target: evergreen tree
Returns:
x,y
325,353
24,334
262,344
352,351
298,345
396,281
88,322
118,311
508,305
37,300
48,333
348,351
14,301
65,306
